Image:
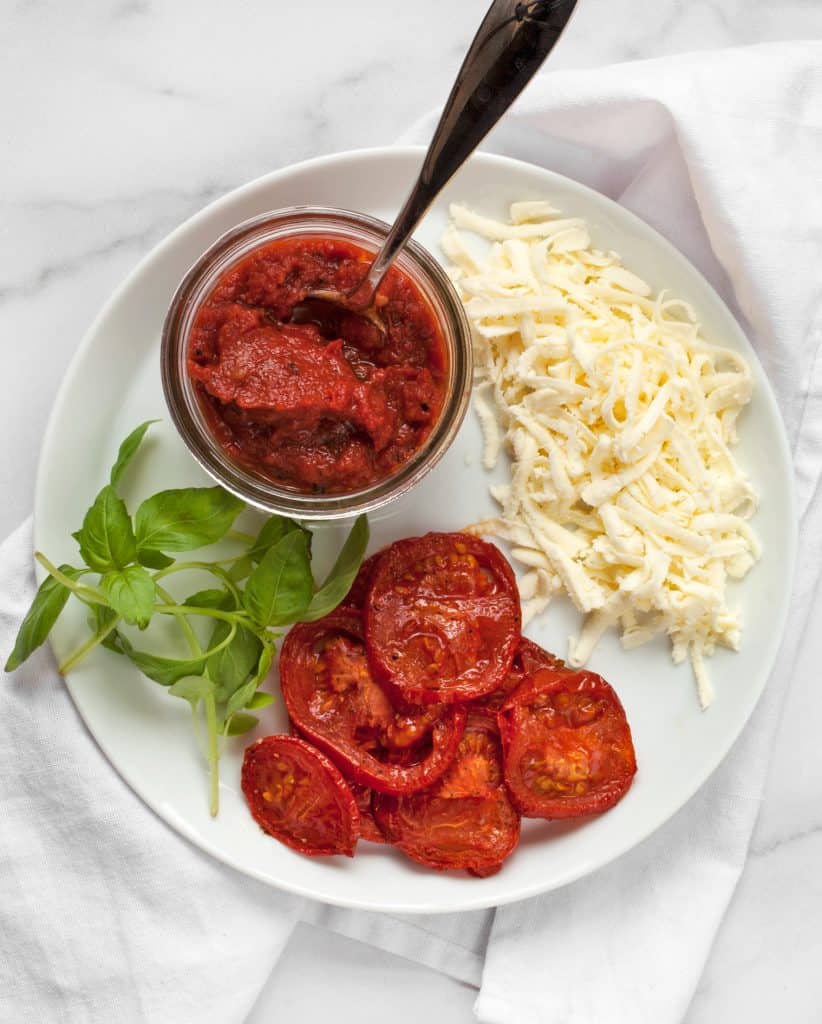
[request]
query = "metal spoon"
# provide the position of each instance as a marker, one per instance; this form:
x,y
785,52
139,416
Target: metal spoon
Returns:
x,y
512,42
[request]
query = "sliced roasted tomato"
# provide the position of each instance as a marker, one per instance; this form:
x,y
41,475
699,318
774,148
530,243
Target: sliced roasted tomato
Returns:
x,y
368,826
442,618
530,657
466,820
334,701
362,581
567,742
297,795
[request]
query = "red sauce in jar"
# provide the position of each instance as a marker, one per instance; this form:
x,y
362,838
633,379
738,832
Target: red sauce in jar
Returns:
x,y
316,414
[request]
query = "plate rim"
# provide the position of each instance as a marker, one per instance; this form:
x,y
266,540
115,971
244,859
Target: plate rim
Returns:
x,y
752,697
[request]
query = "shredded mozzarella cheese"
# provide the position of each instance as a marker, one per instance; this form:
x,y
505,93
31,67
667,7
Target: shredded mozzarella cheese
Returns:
x,y
619,417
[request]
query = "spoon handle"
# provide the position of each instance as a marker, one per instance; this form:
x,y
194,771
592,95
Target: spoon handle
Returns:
x,y
512,42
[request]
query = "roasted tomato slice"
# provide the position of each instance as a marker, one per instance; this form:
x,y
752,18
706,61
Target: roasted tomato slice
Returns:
x,y
567,743
297,795
362,581
368,826
530,657
334,701
464,821
442,618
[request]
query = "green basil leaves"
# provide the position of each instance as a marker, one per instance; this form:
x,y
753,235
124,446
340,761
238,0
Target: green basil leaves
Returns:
x,y
36,626
226,630
185,519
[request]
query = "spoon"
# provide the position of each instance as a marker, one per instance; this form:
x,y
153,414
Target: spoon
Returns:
x,y
511,44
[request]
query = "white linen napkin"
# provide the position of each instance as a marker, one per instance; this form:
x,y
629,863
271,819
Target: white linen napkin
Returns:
x,y
105,914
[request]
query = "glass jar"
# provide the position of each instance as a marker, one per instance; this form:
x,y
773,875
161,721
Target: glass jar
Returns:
x,y
184,404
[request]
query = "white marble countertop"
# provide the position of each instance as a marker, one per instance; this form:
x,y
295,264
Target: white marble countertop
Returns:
x,y
123,117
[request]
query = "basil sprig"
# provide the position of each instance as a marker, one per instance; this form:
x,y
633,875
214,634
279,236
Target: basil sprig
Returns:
x,y
230,629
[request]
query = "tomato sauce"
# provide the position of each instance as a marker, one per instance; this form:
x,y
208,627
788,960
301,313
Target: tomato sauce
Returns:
x,y
315,414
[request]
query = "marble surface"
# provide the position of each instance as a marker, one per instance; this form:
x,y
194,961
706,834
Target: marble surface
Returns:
x,y
123,117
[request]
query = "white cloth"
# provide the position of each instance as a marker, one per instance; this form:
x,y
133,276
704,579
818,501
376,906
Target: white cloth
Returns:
x,y
105,914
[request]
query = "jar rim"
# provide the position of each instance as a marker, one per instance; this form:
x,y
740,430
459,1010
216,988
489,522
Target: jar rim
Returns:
x,y
185,408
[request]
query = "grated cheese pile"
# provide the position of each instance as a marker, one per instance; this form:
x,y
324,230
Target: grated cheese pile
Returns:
x,y
619,417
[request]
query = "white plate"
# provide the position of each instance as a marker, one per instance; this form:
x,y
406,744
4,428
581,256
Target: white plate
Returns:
x,y
114,383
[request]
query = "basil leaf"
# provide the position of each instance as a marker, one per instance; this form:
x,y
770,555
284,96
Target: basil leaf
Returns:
x,y
154,559
339,580
280,588
48,602
230,667
100,615
264,664
106,538
241,568
210,599
193,689
273,531
241,697
241,724
165,671
184,519
128,449
130,593
261,699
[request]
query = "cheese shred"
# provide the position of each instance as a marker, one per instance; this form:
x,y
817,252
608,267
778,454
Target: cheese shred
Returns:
x,y
619,418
